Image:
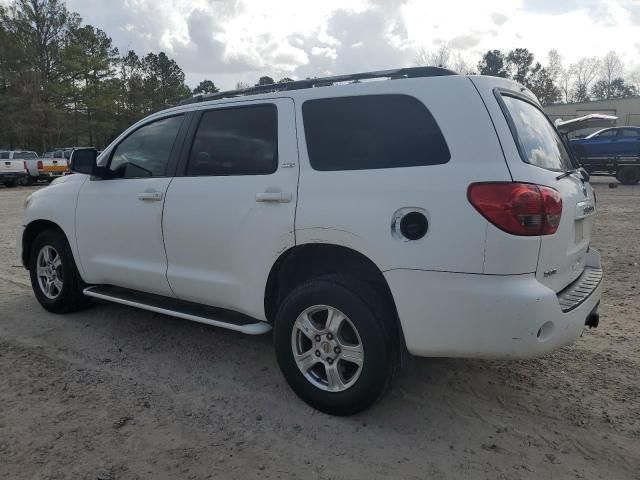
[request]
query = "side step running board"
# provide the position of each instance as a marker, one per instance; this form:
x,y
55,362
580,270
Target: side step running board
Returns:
x,y
179,308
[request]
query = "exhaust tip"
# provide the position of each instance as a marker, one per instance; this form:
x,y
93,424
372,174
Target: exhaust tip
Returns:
x,y
593,320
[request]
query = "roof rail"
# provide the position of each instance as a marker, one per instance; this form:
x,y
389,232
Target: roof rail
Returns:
x,y
412,72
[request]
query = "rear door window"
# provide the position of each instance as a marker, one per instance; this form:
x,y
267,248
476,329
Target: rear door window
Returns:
x,y
236,141
372,132
538,141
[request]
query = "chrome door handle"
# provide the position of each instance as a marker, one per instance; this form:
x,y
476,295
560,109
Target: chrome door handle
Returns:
x,y
150,196
277,197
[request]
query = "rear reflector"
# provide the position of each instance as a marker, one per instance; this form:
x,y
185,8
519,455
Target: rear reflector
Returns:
x,y
518,208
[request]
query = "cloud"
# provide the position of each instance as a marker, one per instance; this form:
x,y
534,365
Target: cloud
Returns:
x,y
499,18
634,13
231,40
465,42
598,10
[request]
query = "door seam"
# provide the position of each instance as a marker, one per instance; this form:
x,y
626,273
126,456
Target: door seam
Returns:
x,y
164,246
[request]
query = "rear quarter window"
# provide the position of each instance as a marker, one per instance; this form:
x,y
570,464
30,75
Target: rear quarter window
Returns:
x,y
538,141
371,132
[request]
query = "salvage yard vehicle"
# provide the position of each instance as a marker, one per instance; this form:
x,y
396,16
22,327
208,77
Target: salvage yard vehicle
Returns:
x,y
52,165
430,212
36,168
606,151
12,171
611,151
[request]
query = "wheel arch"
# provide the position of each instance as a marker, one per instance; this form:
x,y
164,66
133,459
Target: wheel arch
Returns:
x,y
31,231
304,262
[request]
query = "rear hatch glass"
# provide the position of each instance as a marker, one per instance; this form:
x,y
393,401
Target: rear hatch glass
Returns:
x,y
562,254
538,141
25,155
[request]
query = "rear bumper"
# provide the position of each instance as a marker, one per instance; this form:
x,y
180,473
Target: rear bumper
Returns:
x,y
11,176
486,316
44,175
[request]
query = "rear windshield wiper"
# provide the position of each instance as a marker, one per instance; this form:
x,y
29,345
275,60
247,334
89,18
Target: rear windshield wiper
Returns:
x,y
567,173
583,173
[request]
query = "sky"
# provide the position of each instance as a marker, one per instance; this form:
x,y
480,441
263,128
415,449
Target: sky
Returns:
x,y
240,40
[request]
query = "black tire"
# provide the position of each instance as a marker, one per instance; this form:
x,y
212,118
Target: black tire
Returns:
x,y
374,319
29,180
10,184
70,297
628,175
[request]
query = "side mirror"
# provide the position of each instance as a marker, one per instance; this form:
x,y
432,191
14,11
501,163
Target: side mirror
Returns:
x,y
84,160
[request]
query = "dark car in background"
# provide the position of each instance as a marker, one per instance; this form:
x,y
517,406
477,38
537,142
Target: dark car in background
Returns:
x,y
613,151
609,141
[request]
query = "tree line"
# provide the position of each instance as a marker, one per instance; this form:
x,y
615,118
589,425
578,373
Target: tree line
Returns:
x,y
64,83
588,79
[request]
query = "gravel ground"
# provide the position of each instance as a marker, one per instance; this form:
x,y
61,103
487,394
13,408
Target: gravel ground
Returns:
x,y
117,393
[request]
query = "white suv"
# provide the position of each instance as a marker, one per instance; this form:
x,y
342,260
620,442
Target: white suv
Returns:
x,y
432,211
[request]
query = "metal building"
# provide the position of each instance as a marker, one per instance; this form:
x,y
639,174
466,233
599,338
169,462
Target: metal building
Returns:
x,y
626,109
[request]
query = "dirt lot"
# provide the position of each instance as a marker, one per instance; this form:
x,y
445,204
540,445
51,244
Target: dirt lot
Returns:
x,y
115,392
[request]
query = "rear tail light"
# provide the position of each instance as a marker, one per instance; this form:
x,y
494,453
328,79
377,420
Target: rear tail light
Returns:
x,y
25,165
40,167
518,208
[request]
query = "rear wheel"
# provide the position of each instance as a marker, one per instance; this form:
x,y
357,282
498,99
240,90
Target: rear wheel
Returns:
x,y
54,276
628,175
337,344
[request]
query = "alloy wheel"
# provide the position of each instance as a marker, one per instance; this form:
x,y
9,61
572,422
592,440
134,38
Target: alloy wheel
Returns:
x,y
327,348
49,272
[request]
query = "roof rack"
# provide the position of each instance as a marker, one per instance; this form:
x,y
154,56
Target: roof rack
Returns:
x,y
412,72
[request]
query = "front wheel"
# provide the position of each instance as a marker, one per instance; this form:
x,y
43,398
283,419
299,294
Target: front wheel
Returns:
x,y
54,276
628,175
337,344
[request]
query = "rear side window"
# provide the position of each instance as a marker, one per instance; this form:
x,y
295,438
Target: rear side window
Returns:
x,y
4,155
631,132
538,141
236,141
371,132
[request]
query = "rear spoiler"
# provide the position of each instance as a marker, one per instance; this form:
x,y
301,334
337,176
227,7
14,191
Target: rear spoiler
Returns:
x,y
593,120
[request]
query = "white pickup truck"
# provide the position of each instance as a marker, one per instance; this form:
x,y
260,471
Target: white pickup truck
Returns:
x,y
52,165
12,172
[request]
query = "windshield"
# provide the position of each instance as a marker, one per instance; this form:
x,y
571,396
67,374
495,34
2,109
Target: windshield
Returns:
x,y
602,133
538,140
